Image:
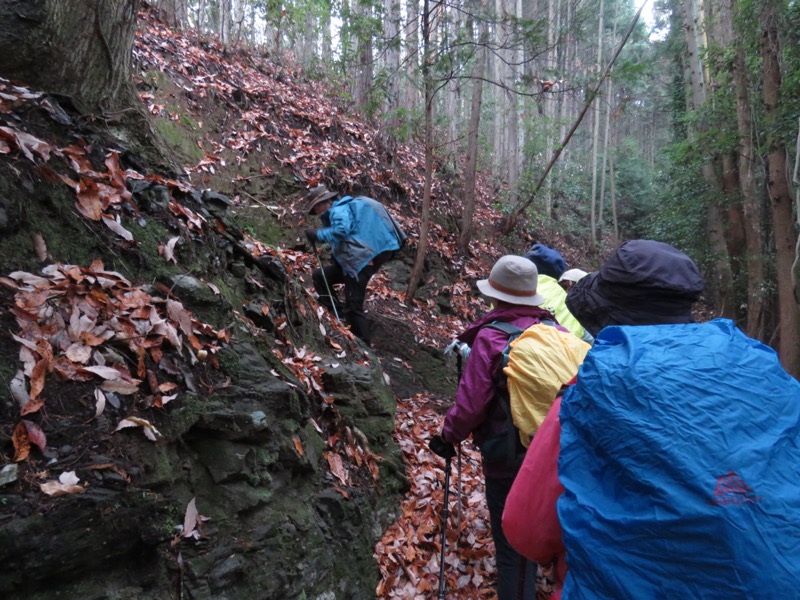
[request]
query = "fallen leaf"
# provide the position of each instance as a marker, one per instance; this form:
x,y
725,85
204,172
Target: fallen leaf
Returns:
x,y
40,247
89,204
169,250
100,402
126,388
108,373
150,432
298,445
19,390
67,484
117,227
35,434
78,353
22,443
31,407
191,518
37,378
336,466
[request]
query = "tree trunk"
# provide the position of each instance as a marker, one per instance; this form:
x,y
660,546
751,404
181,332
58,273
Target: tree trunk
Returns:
x,y
721,280
796,180
777,184
81,50
472,137
756,300
613,199
173,12
425,217
596,130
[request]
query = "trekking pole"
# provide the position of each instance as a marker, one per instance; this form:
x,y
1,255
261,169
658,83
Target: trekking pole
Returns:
x,y
460,350
458,487
325,279
445,512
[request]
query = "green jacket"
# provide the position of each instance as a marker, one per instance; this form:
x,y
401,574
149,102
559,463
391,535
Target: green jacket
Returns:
x,y
555,300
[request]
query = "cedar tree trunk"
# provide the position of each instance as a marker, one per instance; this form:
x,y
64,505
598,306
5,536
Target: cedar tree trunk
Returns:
x,y
77,49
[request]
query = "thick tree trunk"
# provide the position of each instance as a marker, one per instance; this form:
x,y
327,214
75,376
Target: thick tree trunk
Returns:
x,y
81,50
173,12
756,300
721,280
781,198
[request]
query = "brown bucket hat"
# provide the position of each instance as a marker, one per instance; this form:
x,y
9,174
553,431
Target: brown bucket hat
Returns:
x,y
317,195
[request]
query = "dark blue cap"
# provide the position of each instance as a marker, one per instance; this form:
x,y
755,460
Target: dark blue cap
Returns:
x,y
547,261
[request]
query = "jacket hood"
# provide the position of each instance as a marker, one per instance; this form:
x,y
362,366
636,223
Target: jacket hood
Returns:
x,y
643,283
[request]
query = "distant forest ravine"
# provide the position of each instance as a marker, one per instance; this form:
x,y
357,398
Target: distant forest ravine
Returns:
x,y
179,417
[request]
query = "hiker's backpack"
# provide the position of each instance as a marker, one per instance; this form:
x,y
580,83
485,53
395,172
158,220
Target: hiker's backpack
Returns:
x,y
680,459
387,217
541,361
537,363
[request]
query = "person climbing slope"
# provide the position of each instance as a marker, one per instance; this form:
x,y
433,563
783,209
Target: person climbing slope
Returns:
x,y
363,236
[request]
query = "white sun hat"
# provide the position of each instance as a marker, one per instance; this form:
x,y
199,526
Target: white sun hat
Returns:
x,y
512,279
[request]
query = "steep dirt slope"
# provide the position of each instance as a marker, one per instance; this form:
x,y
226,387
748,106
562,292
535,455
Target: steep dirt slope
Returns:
x,y
179,419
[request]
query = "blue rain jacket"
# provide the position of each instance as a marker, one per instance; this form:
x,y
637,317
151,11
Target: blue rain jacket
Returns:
x,y
358,229
680,459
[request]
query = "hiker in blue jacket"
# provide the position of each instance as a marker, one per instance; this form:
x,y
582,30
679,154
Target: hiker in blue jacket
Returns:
x,y
363,236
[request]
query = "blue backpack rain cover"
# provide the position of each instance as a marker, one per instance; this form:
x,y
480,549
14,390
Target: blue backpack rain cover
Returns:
x,y
680,457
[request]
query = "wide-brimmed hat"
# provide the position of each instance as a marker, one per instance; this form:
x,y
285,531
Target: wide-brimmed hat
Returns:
x,y
512,279
318,195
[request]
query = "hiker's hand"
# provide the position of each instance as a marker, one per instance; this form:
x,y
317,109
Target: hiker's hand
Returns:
x,y
311,236
439,446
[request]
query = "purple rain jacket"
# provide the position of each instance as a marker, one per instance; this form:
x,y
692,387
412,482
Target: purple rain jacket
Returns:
x,y
475,410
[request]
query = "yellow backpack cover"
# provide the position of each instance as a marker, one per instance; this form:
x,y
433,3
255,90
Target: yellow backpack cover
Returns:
x,y
541,360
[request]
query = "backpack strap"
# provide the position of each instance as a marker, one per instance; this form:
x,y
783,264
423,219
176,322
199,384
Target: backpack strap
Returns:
x,y
512,451
513,448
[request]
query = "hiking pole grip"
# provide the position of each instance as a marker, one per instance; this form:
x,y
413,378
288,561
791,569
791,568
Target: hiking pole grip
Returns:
x,y
445,512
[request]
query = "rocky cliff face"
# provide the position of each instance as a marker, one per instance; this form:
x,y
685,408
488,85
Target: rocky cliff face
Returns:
x,y
281,437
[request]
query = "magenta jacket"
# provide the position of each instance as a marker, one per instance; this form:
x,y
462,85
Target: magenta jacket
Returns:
x,y
475,410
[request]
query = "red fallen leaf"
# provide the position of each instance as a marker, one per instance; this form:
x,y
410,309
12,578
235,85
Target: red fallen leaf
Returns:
x,y
35,434
66,369
31,407
152,381
22,443
116,174
336,466
298,445
89,204
45,351
167,387
180,315
26,143
156,354
37,377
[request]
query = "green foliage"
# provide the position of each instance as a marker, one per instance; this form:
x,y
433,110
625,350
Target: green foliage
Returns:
x,y
673,211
